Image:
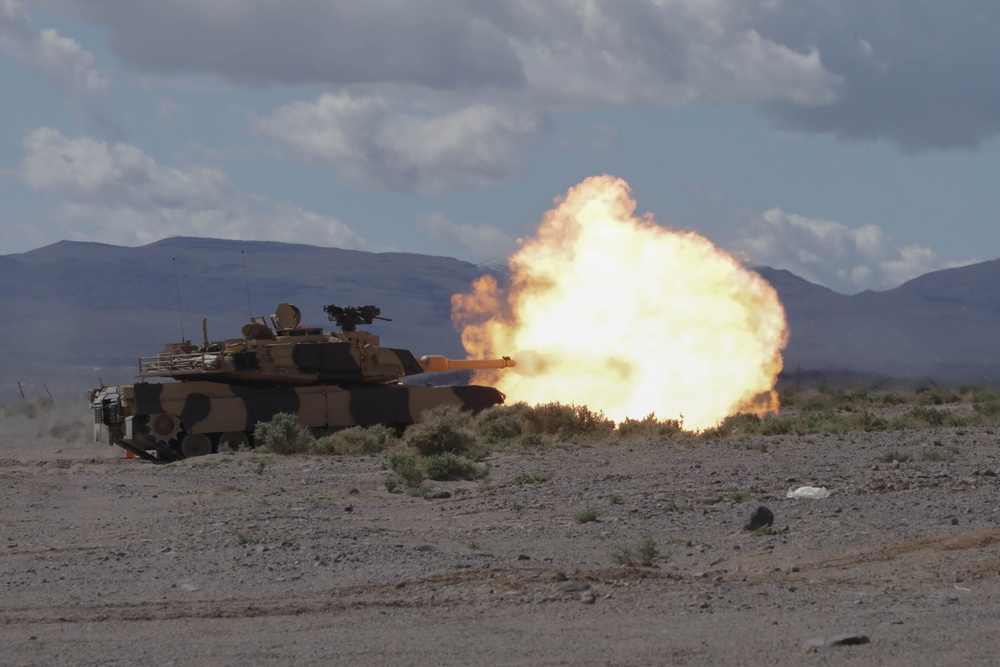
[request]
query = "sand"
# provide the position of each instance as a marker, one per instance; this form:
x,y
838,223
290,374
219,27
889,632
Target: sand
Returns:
x,y
246,558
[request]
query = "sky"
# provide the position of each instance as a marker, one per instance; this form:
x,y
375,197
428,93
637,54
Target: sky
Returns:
x,y
854,143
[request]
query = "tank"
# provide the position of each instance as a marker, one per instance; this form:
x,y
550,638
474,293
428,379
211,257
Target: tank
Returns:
x,y
204,396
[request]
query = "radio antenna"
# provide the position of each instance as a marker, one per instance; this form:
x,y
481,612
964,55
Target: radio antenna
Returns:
x,y
180,312
247,279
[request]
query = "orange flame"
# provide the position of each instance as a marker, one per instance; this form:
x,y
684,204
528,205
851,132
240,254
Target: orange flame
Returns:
x,y
614,312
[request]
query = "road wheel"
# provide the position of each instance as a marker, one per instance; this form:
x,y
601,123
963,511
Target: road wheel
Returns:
x,y
196,444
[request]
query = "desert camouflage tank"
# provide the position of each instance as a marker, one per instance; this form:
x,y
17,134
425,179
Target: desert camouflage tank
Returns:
x,y
328,380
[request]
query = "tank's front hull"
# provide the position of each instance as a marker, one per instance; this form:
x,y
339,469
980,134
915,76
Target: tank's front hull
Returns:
x,y
147,417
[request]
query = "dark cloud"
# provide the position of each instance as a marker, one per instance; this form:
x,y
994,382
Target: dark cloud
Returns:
x,y
922,73
429,42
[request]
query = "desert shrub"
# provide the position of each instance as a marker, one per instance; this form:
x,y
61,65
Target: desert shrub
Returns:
x,y
586,516
444,429
356,441
772,425
741,423
921,416
406,468
987,407
450,466
645,554
936,396
870,423
824,400
500,423
893,397
825,421
567,421
648,427
282,435
891,456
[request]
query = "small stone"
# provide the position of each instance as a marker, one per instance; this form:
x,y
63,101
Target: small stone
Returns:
x,y
349,508
588,597
761,517
188,586
572,586
954,520
354,491
849,639
523,557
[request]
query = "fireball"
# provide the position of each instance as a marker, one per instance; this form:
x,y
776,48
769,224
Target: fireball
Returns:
x,y
624,316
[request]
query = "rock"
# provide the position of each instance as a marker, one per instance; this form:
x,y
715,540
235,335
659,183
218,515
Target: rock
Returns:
x,y
435,495
587,597
849,639
761,517
572,586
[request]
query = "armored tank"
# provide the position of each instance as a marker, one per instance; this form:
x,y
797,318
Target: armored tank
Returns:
x,y
222,389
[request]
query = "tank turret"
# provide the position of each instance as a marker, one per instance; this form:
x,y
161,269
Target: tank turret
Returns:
x,y
277,350
328,379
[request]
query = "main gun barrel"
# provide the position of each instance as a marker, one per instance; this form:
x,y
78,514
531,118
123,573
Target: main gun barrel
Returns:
x,y
435,363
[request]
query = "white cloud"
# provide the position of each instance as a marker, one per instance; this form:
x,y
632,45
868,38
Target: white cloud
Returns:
x,y
60,60
666,53
917,72
485,243
561,52
117,193
371,143
830,253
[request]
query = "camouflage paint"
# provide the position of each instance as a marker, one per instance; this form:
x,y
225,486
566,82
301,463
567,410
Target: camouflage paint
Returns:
x,y
214,408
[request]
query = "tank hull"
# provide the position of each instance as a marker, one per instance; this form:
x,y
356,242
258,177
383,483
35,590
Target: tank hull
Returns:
x,y
156,420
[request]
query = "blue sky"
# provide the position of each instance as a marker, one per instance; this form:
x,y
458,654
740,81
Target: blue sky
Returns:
x,y
853,143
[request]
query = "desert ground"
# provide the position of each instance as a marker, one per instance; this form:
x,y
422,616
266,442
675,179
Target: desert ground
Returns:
x,y
257,559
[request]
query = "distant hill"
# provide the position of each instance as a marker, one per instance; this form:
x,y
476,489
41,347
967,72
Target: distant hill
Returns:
x,y
943,326
75,312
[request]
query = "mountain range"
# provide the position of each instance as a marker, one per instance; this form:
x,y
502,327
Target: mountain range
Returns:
x,y
76,314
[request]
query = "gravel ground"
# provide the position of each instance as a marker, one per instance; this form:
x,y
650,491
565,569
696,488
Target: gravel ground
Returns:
x,y
248,558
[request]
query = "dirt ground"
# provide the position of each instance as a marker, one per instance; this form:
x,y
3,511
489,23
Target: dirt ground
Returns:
x,y
245,558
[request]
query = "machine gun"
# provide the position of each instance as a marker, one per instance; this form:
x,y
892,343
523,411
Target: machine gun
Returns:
x,y
349,317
